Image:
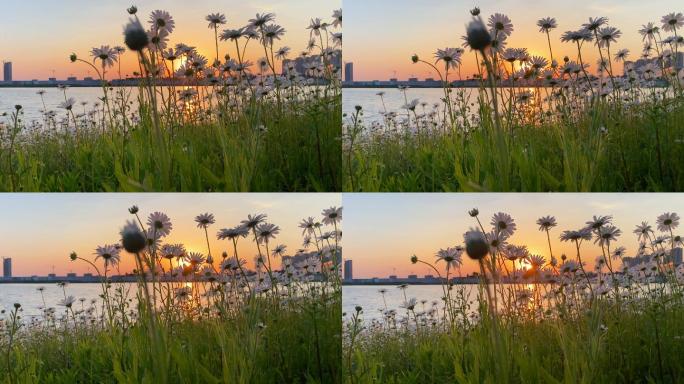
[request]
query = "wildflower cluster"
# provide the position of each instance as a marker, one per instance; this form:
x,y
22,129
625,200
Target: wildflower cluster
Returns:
x,y
518,284
178,92
515,97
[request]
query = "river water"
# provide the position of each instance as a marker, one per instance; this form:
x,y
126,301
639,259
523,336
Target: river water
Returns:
x,y
32,105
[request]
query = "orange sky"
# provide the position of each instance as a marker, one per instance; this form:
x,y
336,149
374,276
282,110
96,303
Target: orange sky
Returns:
x,y
382,35
41,230
41,34
382,231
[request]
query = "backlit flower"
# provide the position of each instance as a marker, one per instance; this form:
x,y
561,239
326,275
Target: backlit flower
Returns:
x,y
215,19
162,20
204,220
672,21
332,215
107,55
160,223
546,24
108,253
667,221
500,24
450,56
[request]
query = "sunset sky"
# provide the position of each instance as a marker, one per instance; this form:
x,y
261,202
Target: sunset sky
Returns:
x,y
382,231
39,231
39,35
381,35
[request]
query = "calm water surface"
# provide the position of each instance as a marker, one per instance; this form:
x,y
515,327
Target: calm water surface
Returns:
x,y
394,99
28,296
33,106
368,297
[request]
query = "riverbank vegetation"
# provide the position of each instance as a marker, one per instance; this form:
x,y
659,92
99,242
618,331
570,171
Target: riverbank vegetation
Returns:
x,y
534,318
195,123
536,122
192,317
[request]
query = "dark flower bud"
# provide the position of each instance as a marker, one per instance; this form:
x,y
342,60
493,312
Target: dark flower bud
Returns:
x,y
476,245
132,239
135,36
477,35
132,10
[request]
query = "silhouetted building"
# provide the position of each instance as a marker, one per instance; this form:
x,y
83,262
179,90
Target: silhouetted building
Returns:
x,y
348,271
349,72
676,256
7,267
7,71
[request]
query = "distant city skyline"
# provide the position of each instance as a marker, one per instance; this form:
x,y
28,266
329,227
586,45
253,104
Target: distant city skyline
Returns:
x,y
41,230
383,231
7,71
46,32
6,267
381,36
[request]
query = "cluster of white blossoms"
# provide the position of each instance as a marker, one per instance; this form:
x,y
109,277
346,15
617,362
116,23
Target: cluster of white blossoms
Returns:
x,y
522,284
192,284
192,87
533,88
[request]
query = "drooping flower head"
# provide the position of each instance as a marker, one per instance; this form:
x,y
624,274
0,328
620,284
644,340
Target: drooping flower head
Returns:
x,y
205,220
253,220
261,19
233,233
547,24
266,231
215,19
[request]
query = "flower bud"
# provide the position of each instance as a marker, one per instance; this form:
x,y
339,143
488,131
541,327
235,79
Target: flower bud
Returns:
x,y
132,238
135,36
476,245
477,35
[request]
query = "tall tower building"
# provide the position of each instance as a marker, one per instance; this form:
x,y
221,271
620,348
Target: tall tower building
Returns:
x,y
7,267
349,72
348,273
7,71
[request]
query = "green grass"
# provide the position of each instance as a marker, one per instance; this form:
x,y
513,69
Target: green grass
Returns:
x,y
298,151
603,345
188,320
263,343
638,153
